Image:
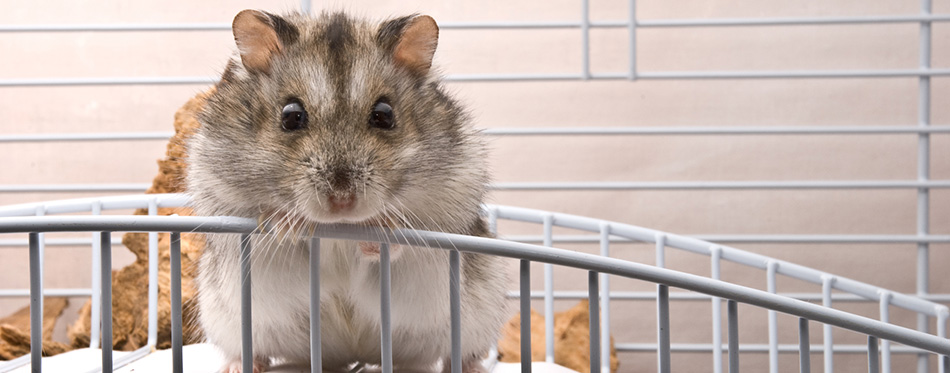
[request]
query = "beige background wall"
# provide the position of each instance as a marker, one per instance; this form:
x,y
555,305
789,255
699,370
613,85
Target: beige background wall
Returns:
x,y
646,103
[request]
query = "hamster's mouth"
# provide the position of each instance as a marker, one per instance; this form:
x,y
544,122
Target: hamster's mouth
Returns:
x,y
344,208
341,204
283,220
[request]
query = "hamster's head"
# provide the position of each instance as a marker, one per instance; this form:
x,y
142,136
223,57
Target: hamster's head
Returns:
x,y
334,119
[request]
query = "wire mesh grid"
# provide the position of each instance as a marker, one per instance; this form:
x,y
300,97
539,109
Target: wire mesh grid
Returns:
x,y
922,184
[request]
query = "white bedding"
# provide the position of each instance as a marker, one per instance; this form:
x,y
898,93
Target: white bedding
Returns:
x,y
204,358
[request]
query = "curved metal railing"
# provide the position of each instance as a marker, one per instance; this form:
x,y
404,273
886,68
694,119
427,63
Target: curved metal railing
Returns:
x,y
17,220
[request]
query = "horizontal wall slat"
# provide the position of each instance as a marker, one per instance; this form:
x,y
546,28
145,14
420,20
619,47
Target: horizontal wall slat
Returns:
x,y
117,27
563,186
753,238
727,22
18,293
555,131
102,136
94,81
791,21
514,77
720,185
714,130
792,74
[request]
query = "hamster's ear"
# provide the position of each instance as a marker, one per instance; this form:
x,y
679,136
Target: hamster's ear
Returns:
x,y
260,37
412,41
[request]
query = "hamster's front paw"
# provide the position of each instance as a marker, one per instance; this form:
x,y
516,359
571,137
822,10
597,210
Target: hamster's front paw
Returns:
x,y
371,250
260,365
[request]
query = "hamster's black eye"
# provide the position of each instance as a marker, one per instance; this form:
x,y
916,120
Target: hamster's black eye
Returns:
x,y
293,117
382,116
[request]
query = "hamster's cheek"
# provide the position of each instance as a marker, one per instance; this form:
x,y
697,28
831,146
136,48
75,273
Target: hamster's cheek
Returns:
x,y
408,153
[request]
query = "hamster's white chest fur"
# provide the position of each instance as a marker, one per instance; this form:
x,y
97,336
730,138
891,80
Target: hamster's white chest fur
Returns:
x,y
350,302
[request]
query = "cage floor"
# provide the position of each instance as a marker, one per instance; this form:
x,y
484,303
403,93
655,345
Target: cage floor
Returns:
x,y
204,358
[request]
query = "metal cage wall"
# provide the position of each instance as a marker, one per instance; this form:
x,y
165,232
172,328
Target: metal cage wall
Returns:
x,y
18,219
599,268
925,303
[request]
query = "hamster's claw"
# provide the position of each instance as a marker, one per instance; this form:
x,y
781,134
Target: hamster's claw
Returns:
x,y
371,249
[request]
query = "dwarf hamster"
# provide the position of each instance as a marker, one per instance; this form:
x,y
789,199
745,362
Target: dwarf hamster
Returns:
x,y
330,119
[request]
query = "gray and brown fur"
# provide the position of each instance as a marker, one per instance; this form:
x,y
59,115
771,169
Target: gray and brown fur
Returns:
x,y
428,172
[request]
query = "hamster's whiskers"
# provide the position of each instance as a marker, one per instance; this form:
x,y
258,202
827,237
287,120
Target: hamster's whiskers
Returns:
x,y
402,214
285,218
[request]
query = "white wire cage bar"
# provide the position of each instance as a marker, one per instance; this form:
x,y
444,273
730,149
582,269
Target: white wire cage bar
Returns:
x,y
912,341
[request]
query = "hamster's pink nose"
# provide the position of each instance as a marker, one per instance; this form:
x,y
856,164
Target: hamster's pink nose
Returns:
x,y
341,202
